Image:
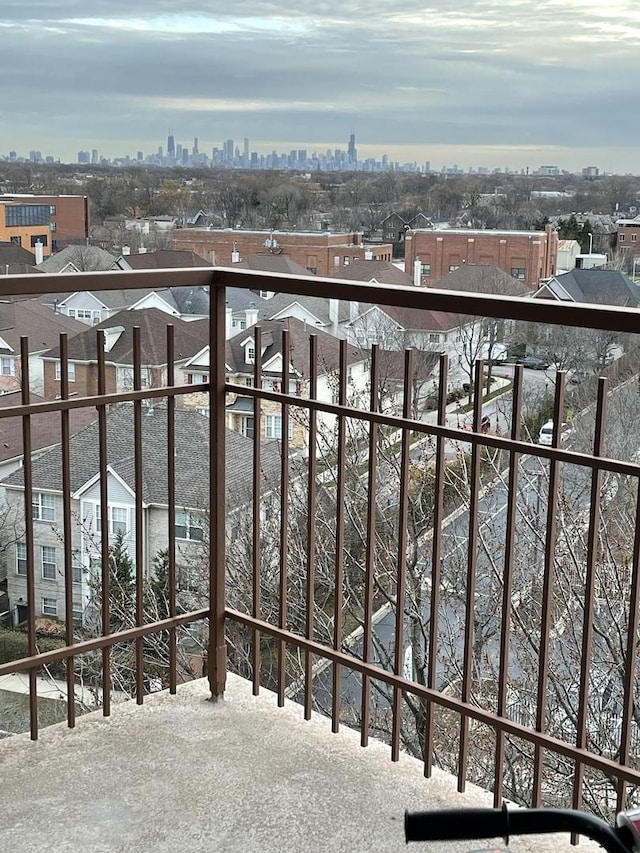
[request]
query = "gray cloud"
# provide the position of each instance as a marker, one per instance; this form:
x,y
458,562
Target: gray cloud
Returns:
x,y
480,72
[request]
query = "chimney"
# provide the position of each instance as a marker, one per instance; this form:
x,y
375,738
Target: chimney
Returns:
x,y
228,331
142,250
251,315
334,313
235,257
368,254
126,250
39,252
416,272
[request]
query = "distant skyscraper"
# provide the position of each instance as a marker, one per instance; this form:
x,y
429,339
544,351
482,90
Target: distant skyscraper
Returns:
x,y
94,156
195,146
171,147
228,151
352,153
246,150
178,154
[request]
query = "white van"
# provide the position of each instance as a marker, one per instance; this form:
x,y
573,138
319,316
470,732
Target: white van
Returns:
x,y
546,433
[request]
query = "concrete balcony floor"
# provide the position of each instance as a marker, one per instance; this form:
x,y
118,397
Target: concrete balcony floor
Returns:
x,y
182,773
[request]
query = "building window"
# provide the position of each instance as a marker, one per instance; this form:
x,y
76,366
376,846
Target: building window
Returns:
x,y
274,427
189,526
49,568
634,238
49,606
78,611
21,558
519,272
336,260
16,240
196,378
345,261
117,519
620,237
40,238
44,507
434,338
6,366
251,355
453,267
76,573
86,315
247,427
20,215
313,270
71,371
425,269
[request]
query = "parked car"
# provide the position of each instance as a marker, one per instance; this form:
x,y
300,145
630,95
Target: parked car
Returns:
x,y
546,433
533,361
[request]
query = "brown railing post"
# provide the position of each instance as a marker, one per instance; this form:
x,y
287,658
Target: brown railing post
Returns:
x,y
217,650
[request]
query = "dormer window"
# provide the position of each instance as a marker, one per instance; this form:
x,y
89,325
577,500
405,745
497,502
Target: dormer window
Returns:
x,y
250,354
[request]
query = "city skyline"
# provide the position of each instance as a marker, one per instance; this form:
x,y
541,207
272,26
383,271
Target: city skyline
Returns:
x,y
506,85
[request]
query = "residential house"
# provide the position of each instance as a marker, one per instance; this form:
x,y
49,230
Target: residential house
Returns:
x,y
189,338
240,361
42,327
596,286
77,258
188,516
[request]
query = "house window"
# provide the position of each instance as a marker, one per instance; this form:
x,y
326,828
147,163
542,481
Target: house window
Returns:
x,y
6,366
86,315
78,611
620,237
49,606
189,526
519,272
453,267
345,261
117,519
634,238
274,427
251,355
76,573
247,427
434,338
44,507
49,568
196,378
425,269
21,558
71,371
248,381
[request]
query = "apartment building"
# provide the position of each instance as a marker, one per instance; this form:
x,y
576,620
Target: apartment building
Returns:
x,y
628,232
25,215
528,256
322,253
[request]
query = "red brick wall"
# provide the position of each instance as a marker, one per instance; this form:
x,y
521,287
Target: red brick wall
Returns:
x,y
312,251
626,235
532,251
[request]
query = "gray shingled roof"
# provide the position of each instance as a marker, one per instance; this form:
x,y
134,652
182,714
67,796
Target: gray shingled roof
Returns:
x,y
191,458
600,287
41,325
269,262
165,259
328,347
85,258
189,338
483,278
384,272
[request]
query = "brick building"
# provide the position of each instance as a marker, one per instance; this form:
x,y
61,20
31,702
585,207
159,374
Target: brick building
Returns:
x,y
526,255
66,215
322,253
629,234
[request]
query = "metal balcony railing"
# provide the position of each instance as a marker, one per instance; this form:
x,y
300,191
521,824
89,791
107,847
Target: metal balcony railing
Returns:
x,y
514,566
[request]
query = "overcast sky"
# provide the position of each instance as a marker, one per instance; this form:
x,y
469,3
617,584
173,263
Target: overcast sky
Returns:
x,y
477,82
